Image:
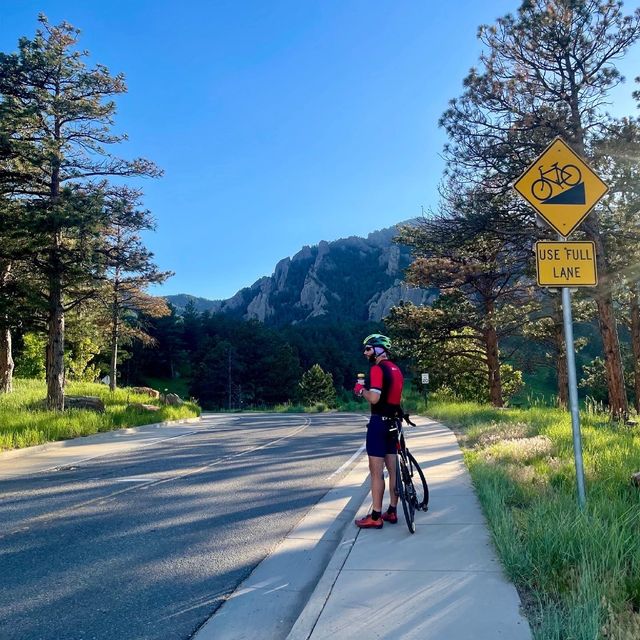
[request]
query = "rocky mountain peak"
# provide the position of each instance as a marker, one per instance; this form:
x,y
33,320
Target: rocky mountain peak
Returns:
x,y
350,279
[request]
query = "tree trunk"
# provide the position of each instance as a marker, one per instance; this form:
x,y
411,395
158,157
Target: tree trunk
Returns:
x,y
55,348
55,341
612,359
113,370
6,359
618,406
493,365
608,328
561,351
635,343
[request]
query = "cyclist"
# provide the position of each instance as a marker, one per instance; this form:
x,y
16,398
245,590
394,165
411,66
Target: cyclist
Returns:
x,y
384,395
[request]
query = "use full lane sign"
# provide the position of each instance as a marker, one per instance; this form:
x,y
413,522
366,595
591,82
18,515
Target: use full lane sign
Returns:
x,y
566,264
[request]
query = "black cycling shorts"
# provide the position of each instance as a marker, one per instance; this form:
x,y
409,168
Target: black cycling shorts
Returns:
x,y
380,441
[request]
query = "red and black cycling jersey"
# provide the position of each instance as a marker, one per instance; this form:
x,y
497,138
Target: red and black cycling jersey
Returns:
x,y
387,378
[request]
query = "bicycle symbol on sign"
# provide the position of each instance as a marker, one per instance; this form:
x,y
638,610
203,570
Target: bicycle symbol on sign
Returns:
x,y
568,176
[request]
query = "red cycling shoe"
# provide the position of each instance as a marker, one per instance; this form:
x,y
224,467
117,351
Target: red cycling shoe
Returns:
x,y
389,517
369,523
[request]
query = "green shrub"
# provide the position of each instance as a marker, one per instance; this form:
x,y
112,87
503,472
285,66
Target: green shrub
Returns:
x,y
30,361
316,386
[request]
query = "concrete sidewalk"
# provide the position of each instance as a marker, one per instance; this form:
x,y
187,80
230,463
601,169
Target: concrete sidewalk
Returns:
x,y
444,582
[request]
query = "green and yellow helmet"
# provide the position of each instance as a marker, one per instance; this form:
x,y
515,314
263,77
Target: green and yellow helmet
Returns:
x,y
377,340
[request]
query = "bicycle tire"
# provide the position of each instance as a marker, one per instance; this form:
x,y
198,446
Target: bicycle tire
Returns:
x,y
422,497
541,189
404,488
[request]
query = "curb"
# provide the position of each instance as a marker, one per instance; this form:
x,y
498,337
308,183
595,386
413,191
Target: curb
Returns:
x,y
306,622
319,585
308,618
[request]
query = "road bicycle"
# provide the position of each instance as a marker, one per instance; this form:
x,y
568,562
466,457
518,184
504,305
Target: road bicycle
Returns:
x,y
568,175
411,485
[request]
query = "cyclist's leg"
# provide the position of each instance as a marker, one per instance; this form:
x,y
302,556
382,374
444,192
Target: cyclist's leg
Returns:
x,y
391,463
376,468
390,460
376,450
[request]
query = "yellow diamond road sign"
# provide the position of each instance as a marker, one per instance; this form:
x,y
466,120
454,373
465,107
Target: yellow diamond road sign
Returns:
x,y
566,264
561,187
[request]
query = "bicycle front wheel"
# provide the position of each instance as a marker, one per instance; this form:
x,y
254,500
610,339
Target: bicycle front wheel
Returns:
x,y
419,484
571,175
406,492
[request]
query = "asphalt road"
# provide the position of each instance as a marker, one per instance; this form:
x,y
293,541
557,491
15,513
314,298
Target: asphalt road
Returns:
x,y
147,543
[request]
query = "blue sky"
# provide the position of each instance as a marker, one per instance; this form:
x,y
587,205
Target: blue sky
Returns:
x,y
278,123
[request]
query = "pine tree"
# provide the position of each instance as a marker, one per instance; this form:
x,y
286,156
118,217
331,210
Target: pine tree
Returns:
x,y
547,72
317,386
129,270
66,119
485,291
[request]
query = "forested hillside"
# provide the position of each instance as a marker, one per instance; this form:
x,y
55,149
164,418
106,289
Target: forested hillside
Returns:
x,y
227,362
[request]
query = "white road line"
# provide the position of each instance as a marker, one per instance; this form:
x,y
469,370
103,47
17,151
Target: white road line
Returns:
x,y
135,445
306,423
156,481
349,461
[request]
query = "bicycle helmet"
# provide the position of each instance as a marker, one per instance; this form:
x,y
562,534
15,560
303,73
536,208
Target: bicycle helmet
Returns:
x,y
377,340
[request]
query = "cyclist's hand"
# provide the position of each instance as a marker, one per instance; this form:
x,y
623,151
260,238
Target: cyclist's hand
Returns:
x,y
358,389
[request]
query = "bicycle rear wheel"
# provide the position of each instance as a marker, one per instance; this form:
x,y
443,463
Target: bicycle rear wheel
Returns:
x,y
541,189
419,484
406,492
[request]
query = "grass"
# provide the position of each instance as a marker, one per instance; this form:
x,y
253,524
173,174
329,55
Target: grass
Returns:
x,y
578,571
25,422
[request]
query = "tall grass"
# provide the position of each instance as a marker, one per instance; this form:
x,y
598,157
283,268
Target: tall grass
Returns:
x,y
578,571
25,422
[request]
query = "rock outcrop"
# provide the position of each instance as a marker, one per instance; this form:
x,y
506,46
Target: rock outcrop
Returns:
x,y
352,279
92,403
147,391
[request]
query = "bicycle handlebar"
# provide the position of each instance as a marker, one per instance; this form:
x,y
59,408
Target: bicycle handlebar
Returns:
x,y
407,418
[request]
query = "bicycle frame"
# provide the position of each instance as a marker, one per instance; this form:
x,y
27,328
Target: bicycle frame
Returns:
x,y
555,171
401,445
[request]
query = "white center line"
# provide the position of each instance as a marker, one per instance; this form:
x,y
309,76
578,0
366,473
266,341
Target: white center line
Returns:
x,y
349,461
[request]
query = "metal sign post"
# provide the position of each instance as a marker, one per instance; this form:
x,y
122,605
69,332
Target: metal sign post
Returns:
x,y
573,393
563,189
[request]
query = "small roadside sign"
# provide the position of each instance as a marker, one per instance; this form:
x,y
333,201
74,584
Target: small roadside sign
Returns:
x,y
561,187
425,378
566,264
